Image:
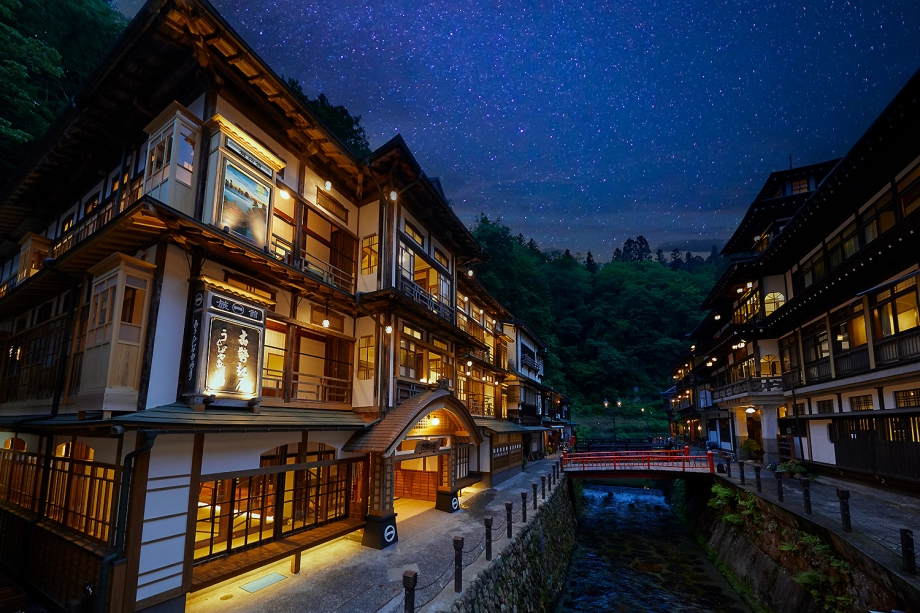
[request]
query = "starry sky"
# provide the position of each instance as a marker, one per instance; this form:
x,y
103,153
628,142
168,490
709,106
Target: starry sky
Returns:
x,y
583,123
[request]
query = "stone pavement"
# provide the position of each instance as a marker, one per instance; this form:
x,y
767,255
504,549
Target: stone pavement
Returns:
x,y
877,515
345,577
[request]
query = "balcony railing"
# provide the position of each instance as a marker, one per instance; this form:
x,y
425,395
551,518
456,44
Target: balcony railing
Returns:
x,y
818,371
530,362
87,226
850,361
747,387
326,272
483,355
791,378
31,362
419,295
406,390
8,284
904,345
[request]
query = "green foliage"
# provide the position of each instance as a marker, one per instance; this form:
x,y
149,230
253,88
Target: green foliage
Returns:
x,y
612,328
344,125
751,446
47,49
792,466
733,519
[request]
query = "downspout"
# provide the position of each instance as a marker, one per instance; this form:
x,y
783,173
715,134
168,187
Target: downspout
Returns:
x,y
149,437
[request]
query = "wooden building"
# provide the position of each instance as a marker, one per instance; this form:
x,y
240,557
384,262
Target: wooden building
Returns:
x,y
226,339
811,345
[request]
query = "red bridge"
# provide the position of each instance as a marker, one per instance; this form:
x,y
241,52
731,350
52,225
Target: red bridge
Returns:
x,y
635,464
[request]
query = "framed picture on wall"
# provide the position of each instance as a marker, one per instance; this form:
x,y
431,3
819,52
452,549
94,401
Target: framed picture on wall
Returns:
x,y
245,204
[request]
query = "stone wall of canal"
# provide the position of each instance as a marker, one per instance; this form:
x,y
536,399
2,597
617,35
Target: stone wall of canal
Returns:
x,y
529,573
781,561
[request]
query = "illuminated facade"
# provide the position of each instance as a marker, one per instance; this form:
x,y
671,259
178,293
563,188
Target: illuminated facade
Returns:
x,y
810,343
213,311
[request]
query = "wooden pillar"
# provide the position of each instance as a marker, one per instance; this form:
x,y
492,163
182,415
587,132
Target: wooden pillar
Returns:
x,y
380,527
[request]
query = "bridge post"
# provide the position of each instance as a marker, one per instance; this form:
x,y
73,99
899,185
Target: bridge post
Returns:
x,y
687,450
757,477
908,557
712,464
779,486
741,472
409,581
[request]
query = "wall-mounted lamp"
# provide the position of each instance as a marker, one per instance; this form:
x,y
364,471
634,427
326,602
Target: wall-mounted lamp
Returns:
x,y
435,421
326,317
749,410
469,273
388,329
284,194
328,185
717,317
393,195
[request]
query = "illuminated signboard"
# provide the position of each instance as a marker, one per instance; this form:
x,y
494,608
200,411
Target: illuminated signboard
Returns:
x,y
225,348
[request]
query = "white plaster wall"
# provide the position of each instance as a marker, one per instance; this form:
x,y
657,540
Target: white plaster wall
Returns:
x,y
240,451
889,392
165,515
485,452
104,449
822,449
167,343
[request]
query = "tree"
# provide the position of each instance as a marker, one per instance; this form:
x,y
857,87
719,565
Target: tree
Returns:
x,y
617,255
47,49
590,264
659,257
643,251
344,125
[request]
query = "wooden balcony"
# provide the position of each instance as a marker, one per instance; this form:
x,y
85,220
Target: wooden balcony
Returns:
x,y
480,404
419,295
818,371
531,363
852,361
902,346
749,387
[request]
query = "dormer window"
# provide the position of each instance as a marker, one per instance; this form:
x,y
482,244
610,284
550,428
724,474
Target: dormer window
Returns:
x,y
800,186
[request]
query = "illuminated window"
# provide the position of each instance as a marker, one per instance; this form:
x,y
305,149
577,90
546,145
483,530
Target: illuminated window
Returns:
x,y
800,186
369,255
414,234
366,351
907,398
827,406
773,301
331,204
442,259
411,354
769,366
896,309
861,403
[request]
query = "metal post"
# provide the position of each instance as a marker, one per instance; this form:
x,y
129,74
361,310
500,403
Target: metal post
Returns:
x,y
508,517
741,472
410,580
908,559
523,507
543,487
488,522
779,486
806,495
844,497
757,477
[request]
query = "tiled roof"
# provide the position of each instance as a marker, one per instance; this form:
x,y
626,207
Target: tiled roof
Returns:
x,y
500,426
384,436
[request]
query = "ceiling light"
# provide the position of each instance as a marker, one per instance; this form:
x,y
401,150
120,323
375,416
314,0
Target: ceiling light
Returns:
x,y
469,272
749,410
326,323
435,421
740,290
750,285
328,185
393,195
469,362
717,317
284,194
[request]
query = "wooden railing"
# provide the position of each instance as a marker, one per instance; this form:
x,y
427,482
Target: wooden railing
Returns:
x,y
791,378
80,496
87,226
31,362
326,272
419,295
818,371
753,385
851,361
904,345
406,390
20,474
480,404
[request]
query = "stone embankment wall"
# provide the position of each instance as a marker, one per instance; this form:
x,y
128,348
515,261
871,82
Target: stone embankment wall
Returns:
x,y
781,561
529,573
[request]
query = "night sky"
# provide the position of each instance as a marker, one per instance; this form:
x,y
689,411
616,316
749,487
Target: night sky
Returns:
x,y
583,123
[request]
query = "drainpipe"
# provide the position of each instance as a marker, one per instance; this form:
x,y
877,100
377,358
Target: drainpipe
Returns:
x,y
120,528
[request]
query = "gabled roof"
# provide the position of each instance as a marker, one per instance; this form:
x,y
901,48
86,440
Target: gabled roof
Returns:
x,y
384,437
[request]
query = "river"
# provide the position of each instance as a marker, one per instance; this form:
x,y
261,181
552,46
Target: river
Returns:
x,y
633,554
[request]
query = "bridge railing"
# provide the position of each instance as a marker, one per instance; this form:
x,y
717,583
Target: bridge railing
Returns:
x,y
677,461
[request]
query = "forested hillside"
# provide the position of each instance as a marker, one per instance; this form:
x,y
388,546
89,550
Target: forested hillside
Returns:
x,y
614,328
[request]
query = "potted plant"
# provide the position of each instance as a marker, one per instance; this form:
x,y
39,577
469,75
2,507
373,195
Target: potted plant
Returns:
x,y
753,449
792,468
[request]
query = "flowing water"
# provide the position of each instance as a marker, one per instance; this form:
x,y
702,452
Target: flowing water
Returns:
x,y
633,554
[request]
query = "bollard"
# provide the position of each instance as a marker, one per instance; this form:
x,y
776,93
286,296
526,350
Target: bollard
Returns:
x,y
410,580
908,559
508,517
534,496
488,522
458,564
543,487
741,472
844,497
779,485
757,477
806,495
549,481
728,468
523,507
552,478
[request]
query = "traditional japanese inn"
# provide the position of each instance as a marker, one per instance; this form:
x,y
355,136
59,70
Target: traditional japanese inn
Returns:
x,y
227,339
811,344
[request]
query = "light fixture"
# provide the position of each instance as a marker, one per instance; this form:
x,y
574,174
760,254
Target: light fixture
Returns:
x,y
466,299
717,317
757,238
709,363
469,362
749,410
750,284
435,421
328,185
393,195
480,311
714,359
423,380
606,404
388,329
469,273
740,290
284,194
643,409
326,318
692,347
467,373
494,322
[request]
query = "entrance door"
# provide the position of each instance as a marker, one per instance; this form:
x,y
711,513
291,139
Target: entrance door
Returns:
x,y
418,478
753,428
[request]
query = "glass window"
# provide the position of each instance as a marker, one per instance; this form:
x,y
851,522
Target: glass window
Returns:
x,y
800,186
748,309
814,342
366,354
414,234
811,269
769,366
907,398
861,403
788,353
842,246
896,310
331,204
369,255
877,219
849,328
825,406
406,261
441,258
185,157
773,301
909,188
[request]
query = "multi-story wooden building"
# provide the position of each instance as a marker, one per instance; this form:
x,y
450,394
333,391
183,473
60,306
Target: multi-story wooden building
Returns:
x,y
812,341
226,339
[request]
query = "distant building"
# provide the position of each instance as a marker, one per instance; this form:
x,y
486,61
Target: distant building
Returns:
x,y
225,339
811,344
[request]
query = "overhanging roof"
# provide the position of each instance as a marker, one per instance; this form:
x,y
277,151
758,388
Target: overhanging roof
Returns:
x,y
500,426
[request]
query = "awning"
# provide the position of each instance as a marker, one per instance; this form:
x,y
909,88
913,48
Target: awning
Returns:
x,y
538,428
499,426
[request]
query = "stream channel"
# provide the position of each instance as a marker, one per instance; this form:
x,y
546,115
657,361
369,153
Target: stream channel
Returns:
x,y
633,554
